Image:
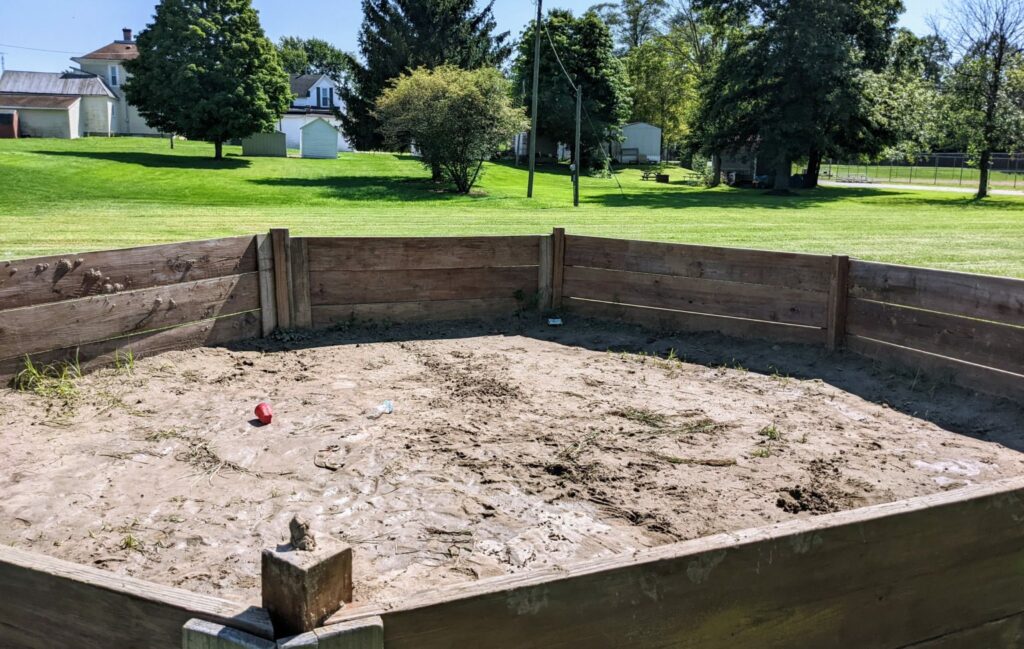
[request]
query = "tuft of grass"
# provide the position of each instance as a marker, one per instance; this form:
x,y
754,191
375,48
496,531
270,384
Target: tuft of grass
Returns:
x,y
642,416
762,452
124,361
56,380
771,432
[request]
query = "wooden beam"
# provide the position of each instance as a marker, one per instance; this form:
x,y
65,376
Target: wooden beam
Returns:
x,y
366,633
281,245
420,253
423,285
557,266
544,273
302,317
268,303
429,311
200,634
838,293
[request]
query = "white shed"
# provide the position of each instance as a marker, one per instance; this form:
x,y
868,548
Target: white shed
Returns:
x,y
642,144
319,140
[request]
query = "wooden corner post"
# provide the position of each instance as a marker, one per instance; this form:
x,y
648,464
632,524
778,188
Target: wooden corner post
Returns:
x,y
302,312
305,581
838,293
281,245
557,266
268,300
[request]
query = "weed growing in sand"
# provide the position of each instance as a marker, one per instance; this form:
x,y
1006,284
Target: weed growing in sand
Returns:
x,y
129,541
56,380
771,432
642,416
762,452
124,361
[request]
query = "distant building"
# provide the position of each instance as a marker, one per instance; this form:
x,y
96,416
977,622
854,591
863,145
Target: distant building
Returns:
x,y
316,97
641,144
57,104
319,139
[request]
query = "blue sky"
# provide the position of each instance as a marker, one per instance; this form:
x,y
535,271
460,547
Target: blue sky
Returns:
x,y
74,27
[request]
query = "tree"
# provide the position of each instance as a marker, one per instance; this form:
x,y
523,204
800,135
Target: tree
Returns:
x,y
663,88
457,118
312,56
633,22
585,48
207,71
791,81
988,37
402,35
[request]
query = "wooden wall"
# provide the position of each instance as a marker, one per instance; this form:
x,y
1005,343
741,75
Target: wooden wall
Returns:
x,y
967,328
148,299
945,570
403,279
746,293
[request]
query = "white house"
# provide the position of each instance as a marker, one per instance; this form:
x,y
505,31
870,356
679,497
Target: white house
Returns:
x,y
641,143
57,104
316,98
319,139
107,63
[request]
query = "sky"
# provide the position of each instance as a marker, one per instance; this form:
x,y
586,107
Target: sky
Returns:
x,y
41,35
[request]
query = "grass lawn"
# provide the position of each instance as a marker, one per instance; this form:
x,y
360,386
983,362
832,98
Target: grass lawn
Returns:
x,y
71,195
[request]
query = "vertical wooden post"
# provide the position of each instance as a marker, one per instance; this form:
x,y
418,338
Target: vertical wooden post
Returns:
x,y
837,297
544,277
199,634
557,266
281,243
302,313
268,303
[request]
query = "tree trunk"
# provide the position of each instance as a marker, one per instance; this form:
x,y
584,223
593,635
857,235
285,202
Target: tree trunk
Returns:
x,y
813,169
218,150
716,170
986,161
782,172
989,128
435,172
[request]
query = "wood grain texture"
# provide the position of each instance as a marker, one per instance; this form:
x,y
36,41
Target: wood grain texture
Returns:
x,y
207,333
77,322
200,634
838,295
557,267
784,269
1007,632
367,287
545,270
880,577
941,368
268,302
47,603
1000,299
302,317
711,297
679,321
281,245
402,312
26,282
405,253
976,341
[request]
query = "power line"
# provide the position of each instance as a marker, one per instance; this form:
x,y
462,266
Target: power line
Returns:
x,y
37,49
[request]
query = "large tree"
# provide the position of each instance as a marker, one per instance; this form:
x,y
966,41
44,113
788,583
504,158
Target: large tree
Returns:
x,y
663,88
988,38
791,81
207,71
633,22
583,48
457,118
402,35
312,56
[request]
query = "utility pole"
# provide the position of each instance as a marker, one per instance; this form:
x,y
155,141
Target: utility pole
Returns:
x,y
576,157
3,62
536,90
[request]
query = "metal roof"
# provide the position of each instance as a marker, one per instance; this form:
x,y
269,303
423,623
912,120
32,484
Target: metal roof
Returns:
x,y
37,101
54,83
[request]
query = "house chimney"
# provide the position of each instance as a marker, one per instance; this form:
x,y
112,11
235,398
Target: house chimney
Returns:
x,y
127,35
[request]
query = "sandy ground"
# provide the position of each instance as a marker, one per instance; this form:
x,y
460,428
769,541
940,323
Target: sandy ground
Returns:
x,y
508,450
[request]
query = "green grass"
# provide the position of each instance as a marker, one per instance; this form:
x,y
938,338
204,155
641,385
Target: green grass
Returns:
x,y
63,196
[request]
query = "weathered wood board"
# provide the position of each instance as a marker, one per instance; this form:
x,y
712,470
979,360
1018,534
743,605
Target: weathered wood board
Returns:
x,y
381,286
422,253
399,312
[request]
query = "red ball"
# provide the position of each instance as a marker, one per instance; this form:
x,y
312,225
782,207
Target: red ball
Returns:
x,y
264,413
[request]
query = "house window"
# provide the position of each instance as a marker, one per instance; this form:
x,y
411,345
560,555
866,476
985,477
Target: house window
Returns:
x,y
325,97
114,78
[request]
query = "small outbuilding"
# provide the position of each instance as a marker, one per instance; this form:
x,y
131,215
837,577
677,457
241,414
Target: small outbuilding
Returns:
x,y
319,139
641,144
269,145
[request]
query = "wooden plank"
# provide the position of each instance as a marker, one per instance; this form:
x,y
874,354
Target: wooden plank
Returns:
x,y
545,277
207,333
58,325
882,576
786,269
680,321
1007,632
302,317
41,280
976,341
380,286
837,298
1000,299
406,253
557,267
711,297
200,634
940,368
47,603
268,303
366,633
402,312
282,276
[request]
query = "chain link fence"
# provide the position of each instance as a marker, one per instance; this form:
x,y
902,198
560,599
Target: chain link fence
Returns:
x,y
943,169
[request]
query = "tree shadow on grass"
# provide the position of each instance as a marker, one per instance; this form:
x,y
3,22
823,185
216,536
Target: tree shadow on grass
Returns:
x,y
155,160
368,188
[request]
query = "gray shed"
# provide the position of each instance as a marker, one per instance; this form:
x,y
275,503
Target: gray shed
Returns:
x,y
319,139
265,144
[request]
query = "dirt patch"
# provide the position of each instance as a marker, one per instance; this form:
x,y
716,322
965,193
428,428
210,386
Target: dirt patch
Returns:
x,y
507,450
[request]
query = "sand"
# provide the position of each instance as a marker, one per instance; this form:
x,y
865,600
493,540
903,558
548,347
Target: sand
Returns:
x,y
511,447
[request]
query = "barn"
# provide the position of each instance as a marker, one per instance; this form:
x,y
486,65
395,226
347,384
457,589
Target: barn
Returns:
x,y
319,139
62,104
